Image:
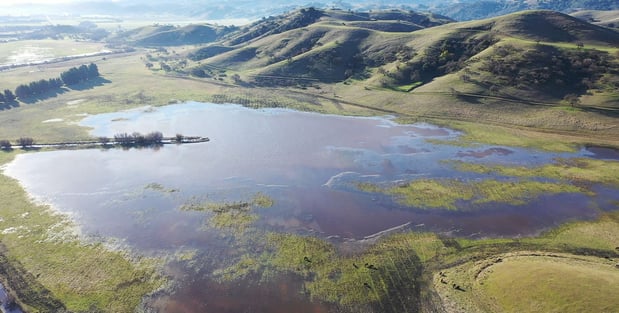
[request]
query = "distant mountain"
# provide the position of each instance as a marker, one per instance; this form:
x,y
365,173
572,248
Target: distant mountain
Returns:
x,y
602,18
169,35
473,10
462,10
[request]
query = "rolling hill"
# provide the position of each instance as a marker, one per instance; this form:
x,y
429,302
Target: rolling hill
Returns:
x,y
597,17
542,55
169,35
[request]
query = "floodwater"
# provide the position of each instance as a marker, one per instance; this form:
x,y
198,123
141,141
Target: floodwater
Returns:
x,y
308,163
6,304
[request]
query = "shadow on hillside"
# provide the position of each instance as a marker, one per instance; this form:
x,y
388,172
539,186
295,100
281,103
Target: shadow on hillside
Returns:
x,y
603,111
99,81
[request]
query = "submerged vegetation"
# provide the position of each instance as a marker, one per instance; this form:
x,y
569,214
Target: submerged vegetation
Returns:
x,y
578,171
446,193
236,216
387,277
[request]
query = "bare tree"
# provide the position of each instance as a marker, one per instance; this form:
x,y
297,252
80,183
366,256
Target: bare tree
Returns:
x,y
104,140
5,144
25,142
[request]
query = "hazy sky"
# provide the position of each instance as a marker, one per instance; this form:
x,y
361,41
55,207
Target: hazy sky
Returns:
x,y
11,2
22,2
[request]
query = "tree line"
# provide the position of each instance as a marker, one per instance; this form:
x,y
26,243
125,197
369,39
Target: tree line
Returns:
x,y
74,75
136,139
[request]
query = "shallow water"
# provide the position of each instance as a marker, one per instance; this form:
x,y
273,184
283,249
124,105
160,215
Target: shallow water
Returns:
x,y
308,163
5,306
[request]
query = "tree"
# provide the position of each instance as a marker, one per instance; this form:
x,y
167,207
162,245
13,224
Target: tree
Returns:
x,y
2,97
165,67
572,99
179,138
197,72
93,71
5,144
22,91
236,78
104,140
153,138
9,97
25,142
123,139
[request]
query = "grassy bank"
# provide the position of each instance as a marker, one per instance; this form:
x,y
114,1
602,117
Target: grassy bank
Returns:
x,y
58,270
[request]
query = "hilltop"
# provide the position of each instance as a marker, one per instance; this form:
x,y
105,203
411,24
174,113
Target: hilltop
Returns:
x,y
169,35
406,50
602,18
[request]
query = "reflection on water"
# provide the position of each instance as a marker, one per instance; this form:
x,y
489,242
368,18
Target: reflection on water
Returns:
x,y
307,162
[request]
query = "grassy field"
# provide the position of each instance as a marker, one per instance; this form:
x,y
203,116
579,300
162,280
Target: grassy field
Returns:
x,y
39,50
531,282
547,284
568,269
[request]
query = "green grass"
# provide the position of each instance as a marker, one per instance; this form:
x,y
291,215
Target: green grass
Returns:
x,y
573,170
409,87
79,275
235,216
384,276
475,133
551,285
555,271
445,193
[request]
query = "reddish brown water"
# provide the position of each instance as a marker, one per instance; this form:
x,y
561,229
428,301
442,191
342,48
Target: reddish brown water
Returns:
x,y
308,163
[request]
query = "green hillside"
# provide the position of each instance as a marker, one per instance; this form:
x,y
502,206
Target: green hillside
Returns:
x,y
603,18
168,35
530,56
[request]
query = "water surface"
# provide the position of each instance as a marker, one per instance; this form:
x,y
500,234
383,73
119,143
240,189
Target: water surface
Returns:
x,y
308,163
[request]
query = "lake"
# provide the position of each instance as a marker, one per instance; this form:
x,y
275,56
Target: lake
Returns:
x,y
307,163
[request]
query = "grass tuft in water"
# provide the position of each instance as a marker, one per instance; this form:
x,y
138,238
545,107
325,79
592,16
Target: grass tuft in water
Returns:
x,y
445,193
237,215
579,170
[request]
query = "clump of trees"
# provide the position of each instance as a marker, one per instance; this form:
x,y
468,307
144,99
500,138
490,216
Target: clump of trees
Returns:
x,y
76,75
70,77
138,139
445,57
25,142
553,70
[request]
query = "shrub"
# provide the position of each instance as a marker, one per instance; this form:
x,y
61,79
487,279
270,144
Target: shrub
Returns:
x,y
5,144
25,142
